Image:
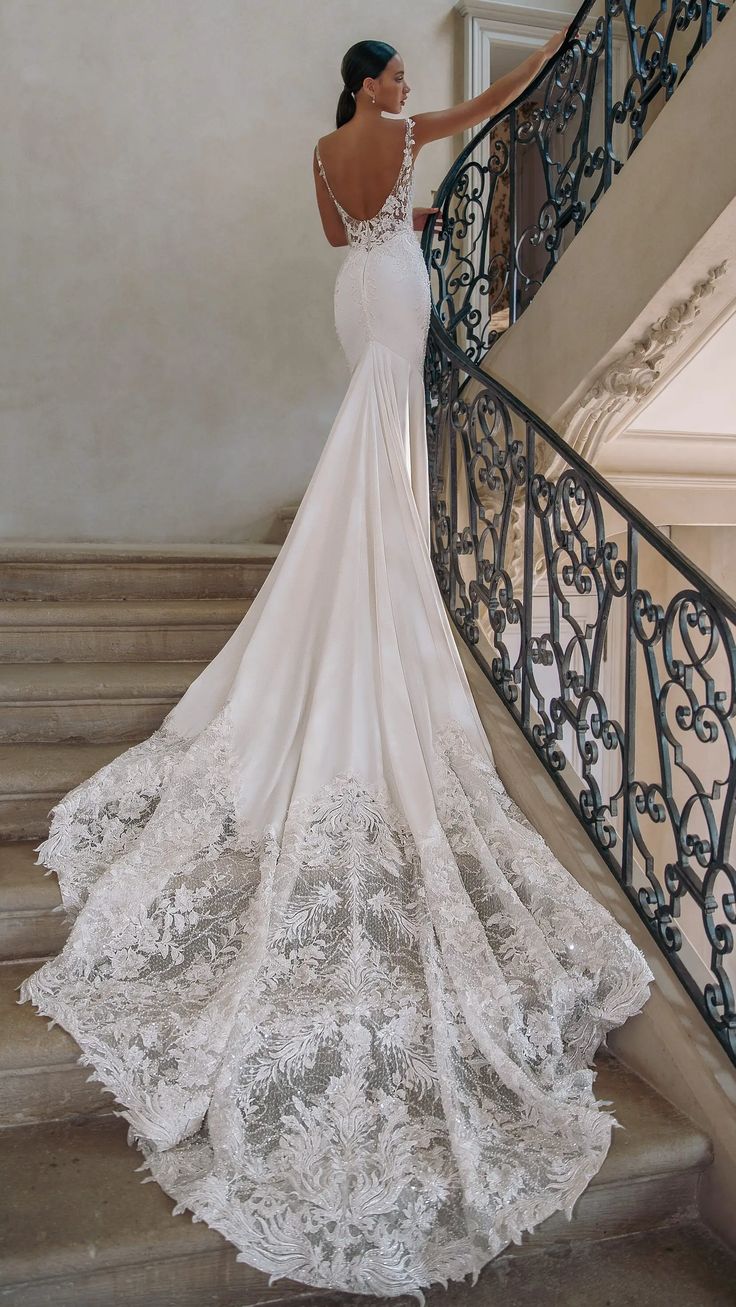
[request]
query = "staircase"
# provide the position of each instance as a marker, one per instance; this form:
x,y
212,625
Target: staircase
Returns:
x,y
98,643
95,646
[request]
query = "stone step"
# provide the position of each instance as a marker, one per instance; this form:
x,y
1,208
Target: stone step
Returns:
x,y
95,571
30,926
656,1140
33,777
88,703
107,631
117,1243
41,1078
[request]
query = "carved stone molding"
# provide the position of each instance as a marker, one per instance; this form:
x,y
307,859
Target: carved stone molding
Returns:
x,y
631,377
623,384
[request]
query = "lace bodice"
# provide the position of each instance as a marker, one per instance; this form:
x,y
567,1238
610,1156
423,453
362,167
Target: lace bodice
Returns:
x,y
396,211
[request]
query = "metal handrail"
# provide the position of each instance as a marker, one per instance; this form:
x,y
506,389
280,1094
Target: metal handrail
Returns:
x,y
566,135
613,651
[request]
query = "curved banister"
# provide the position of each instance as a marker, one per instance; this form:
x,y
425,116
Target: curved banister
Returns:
x,y
646,529
613,651
567,135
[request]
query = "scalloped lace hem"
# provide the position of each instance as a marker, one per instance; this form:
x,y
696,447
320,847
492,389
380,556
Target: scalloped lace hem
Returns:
x,y
365,1059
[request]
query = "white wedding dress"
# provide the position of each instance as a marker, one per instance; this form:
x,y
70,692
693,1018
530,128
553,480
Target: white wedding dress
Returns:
x,y
345,996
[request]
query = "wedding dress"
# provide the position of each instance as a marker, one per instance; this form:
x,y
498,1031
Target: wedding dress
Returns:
x,y
346,997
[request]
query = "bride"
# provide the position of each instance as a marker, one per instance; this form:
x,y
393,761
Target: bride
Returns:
x,y
344,995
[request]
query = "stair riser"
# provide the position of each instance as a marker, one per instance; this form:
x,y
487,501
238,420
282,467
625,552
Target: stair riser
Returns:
x,y
129,580
213,1278
207,1279
96,721
48,644
31,934
26,817
52,1093
30,789
625,1207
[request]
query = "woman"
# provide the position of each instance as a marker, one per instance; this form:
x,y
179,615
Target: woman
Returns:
x,y
347,999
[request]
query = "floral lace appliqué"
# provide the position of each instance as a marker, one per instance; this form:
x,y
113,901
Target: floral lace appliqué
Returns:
x,y
366,1059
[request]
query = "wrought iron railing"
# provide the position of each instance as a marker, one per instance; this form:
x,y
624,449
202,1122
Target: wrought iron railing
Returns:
x,y
522,188
614,653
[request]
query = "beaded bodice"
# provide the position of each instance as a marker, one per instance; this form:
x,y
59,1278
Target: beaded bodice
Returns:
x,y
396,211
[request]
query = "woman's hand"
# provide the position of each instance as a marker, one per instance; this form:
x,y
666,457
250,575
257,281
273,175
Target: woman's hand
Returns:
x,y
555,42
420,217
525,74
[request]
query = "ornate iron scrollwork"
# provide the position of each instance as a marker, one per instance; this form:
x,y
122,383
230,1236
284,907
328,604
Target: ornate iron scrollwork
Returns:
x,y
615,655
528,181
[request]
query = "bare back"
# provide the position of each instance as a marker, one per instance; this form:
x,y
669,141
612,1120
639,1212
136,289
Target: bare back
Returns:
x,y
362,162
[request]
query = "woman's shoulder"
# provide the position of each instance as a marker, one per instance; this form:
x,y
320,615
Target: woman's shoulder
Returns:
x,y
345,133
340,134
328,140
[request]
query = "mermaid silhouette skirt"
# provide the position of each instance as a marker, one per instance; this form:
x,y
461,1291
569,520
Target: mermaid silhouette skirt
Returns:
x,y
345,997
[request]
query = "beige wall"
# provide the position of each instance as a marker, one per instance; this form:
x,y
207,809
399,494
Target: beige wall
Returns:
x,y
713,549
169,369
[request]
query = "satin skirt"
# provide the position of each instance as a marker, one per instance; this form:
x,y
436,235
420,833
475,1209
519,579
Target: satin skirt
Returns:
x,y
341,991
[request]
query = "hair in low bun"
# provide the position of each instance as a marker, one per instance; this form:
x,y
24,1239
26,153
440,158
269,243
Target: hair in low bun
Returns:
x,y
365,59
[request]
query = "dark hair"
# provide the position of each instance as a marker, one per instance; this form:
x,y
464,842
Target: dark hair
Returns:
x,y
365,59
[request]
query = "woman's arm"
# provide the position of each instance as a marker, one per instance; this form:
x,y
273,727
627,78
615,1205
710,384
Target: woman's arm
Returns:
x,y
331,220
449,122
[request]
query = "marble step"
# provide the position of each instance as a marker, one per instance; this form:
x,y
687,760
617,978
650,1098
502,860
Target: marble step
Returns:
x,y
117,1243
30,926
88,703
118,571
110,631
33,777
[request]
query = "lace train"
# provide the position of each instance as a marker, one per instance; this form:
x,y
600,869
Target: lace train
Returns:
x,y
366,1059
